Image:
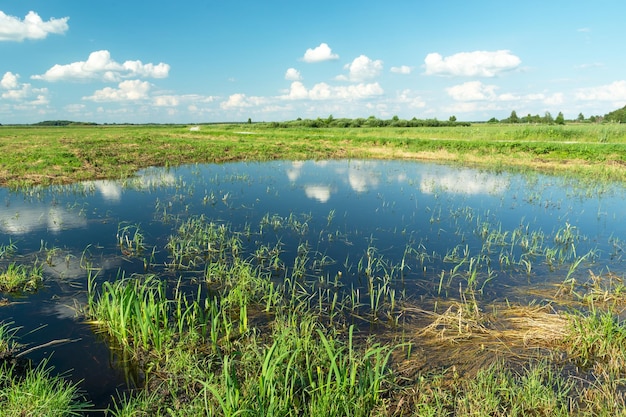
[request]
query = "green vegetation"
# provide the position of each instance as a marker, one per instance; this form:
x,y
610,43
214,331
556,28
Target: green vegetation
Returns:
x,y
18,277
45,155
33,392
218,333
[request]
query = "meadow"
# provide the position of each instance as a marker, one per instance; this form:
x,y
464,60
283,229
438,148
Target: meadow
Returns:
x,y
213,304
54,155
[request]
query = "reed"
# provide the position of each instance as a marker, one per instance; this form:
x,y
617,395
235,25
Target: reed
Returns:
x,y
21,278
38,393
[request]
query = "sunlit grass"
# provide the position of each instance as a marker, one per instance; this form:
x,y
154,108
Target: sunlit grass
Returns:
x,y
18,277
39,155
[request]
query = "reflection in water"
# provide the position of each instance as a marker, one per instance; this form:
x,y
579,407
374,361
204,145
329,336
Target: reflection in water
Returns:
x,y
110,190
320,193
425,207
363,176
293,172
464,182
16,220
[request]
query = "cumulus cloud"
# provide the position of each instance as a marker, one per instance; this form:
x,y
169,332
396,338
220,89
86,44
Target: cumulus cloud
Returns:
x,y
22,92
363,68
323,91
403,69
32,27
240,100
471,64
319,54
293,74
615,91
173,100
129,90
9,81
472,91
99,65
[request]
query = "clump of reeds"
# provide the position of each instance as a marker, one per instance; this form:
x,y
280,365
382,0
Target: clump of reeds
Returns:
x,y
18,277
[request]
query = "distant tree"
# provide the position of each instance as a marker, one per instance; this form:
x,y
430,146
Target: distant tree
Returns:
x,y
580,117
249,121
618,115
492,120
513,117
560,120
547,118
452,118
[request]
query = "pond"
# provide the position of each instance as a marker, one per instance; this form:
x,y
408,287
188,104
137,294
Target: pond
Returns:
x,y
375,235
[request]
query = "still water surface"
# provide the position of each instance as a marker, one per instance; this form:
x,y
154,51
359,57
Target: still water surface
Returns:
x,y
423,219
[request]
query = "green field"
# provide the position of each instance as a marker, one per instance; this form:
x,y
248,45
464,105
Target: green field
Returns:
x,y
51,155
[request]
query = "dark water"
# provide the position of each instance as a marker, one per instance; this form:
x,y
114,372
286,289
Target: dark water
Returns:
x,y
420,216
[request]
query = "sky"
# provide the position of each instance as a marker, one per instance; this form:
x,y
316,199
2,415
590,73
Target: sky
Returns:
x,y
198,61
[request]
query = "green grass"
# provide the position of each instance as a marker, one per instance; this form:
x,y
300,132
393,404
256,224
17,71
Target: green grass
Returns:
x,y
44,155
20,278
38,393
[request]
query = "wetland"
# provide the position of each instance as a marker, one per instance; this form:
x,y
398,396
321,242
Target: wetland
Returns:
x,y
316,287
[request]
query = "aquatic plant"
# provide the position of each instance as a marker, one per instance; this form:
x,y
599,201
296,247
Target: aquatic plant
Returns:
x,y
19,277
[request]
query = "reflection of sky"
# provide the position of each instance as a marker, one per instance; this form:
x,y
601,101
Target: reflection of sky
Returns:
x,y
363,176
320,193
293,172
464,182
112,190
22,220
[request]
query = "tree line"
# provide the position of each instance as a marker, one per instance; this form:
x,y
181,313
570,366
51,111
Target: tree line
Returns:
x,y
371,121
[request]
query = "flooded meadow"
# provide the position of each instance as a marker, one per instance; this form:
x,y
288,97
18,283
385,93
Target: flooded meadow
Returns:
x,y
424,269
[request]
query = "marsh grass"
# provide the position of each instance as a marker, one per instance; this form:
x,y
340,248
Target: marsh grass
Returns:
x,y
38,393
21,278
39,155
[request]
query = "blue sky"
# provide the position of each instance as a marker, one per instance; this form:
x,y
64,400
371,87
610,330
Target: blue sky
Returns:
x,y
209,61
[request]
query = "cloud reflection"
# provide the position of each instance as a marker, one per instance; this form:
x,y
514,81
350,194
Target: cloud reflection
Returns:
x,y
464,182
19,221
320,193
363,176
294,172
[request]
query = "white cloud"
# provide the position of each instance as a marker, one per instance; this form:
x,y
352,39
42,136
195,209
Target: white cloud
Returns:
x,y
129,90
241,101
363,68
472,91
99,65
319,54
22,92
408,99
471,64
173,100
403,69
166,101
293,74
9,81
32,27
554,99
615,91
323,91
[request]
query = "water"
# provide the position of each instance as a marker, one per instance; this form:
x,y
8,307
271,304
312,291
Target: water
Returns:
x,y
418,220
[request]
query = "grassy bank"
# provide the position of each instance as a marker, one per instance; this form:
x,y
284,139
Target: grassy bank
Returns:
x,y
44,155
